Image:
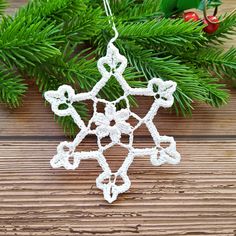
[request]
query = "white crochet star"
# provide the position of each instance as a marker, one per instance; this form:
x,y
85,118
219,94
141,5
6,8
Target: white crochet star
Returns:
x,y
113,123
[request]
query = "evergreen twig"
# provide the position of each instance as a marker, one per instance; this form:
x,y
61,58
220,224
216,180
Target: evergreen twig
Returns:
x,y
59,41
3,6
12,86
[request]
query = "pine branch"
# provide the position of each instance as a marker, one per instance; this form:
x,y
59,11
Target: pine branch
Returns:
x,y
83,26
133,11
120,7
192,85
12,87
57,10
68,16
80,71
38,28
217,61
3,6
77,20
164,32
42,40
215,92
24,42
148,62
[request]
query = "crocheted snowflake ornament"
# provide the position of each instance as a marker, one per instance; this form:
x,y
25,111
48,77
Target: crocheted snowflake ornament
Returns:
x,y
159,154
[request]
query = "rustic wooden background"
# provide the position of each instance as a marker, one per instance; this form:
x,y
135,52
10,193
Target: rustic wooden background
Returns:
x,y
197,197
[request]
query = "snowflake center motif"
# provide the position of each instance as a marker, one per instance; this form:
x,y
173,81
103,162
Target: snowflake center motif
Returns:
x,y
113,123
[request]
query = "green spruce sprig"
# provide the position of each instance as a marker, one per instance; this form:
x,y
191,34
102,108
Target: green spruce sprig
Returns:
x,y
3,6
59,41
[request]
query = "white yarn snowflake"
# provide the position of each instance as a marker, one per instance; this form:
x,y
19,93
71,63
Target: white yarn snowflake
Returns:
x,y
113,123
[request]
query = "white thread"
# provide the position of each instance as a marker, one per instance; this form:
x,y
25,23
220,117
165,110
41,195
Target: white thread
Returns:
x,y
112,23
66,96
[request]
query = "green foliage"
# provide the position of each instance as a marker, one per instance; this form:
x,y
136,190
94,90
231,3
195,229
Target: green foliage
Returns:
x,y
192,85
54,10
215,93
2,6
178,33
59,41
216,60
79,70
12,87
27,42
83,26
136,11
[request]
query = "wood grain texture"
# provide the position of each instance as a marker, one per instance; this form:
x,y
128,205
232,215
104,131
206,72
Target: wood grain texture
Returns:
x,y
195,198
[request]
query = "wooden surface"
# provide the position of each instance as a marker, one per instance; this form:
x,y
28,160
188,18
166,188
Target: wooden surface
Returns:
x,y
197,197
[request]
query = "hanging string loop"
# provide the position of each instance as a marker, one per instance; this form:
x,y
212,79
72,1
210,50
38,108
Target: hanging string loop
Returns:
x,y
111,20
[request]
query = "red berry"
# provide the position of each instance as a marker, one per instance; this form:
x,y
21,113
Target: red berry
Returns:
x,y
191,16
211,27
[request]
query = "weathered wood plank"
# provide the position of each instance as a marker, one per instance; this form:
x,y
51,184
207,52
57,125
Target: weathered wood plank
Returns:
x,y
13,5
197,197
